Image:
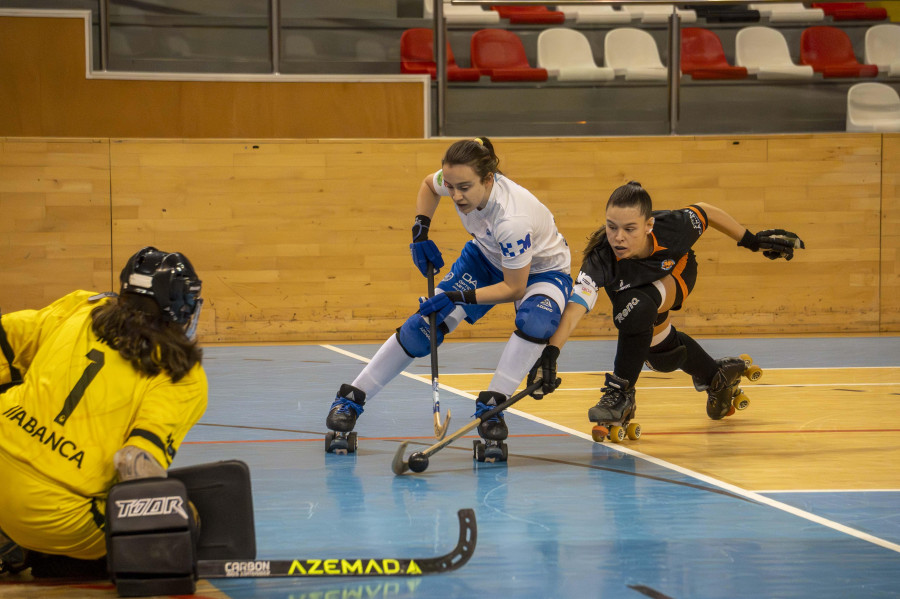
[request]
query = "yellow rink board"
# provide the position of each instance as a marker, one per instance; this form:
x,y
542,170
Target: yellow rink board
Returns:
x,y
805,429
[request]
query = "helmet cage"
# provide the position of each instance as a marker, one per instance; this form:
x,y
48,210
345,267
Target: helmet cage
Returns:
x,y
169,278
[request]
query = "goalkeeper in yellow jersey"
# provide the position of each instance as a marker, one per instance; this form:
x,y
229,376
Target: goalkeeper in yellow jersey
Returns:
x,y
95,389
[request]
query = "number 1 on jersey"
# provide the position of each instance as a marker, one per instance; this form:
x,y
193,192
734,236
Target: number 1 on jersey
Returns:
x,y
90,371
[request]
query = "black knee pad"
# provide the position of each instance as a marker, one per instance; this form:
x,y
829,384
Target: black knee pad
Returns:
x,y
633,311
151,538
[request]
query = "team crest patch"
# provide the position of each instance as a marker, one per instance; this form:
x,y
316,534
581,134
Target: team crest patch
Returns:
x,y
667,264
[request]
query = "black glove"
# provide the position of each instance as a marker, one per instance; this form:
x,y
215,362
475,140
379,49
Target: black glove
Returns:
x,y
775,243
547,366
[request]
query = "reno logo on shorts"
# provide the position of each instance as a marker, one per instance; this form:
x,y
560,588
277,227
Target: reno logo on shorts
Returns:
x,y
151,506
627,310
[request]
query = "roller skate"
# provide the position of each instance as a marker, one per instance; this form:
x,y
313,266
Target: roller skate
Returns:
x,y
13,559
347,406
724,393
614,411
493,430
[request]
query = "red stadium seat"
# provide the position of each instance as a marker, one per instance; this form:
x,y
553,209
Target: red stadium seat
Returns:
x,y
828,50
851,11
417,56
702,56
519,15
500,54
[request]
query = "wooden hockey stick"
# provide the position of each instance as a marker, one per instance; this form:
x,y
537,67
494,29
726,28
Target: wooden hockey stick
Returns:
x,y
325,567
400,466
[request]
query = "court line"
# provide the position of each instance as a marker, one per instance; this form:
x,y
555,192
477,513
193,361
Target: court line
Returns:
x,y
752,386
752,495
829,491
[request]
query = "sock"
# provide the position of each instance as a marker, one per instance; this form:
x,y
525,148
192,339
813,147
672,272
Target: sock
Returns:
x,y
698,363
516,360
389,361
631,353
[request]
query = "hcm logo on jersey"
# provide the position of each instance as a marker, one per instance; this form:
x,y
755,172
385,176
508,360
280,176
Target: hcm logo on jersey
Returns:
x,y
151,506
510,251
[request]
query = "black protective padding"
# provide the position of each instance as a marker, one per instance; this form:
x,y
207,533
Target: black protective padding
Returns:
x,y
222,494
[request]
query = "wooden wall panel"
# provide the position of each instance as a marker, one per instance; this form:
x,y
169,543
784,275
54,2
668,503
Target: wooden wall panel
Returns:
x,y
308,240
44,92
54,220
890,235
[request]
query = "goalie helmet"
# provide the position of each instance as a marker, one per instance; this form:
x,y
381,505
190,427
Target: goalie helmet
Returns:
x,y
168,278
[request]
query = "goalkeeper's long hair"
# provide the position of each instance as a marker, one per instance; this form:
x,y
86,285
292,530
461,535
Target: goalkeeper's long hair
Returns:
x,y
629,195
134,326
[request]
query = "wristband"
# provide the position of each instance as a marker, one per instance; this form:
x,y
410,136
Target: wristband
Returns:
x,y
420,228
462,297
749,241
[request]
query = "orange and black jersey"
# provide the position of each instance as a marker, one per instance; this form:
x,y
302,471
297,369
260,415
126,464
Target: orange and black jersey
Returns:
x,y
674,232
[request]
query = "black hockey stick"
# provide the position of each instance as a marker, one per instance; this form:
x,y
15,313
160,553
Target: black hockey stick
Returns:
x,y
440,430
420,458
366,566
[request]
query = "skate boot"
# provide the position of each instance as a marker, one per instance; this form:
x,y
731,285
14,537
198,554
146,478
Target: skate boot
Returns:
x,y
347,406
724,394
614,411
493,430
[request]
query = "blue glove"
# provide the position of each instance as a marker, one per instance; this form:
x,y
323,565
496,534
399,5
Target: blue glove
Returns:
x,y
424,252
443,303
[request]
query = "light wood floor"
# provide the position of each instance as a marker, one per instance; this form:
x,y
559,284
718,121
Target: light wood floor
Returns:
x,y
846,417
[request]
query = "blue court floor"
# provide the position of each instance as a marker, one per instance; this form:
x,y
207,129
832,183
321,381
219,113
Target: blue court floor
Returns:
x,y
565,517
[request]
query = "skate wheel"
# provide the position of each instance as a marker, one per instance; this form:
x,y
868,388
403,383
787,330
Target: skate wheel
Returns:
x,y
616,434
633,431
478,451
329,439
741,402
747,359
351,442
504,452
599,433
754,373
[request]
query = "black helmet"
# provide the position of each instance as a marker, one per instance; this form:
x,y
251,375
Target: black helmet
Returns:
x,y
168,278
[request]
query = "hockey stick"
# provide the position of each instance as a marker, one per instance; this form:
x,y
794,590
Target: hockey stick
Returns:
x,y
323,567
400,466
440,430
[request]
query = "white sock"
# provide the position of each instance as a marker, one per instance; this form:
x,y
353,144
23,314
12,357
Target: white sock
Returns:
x,y
389,361
516,360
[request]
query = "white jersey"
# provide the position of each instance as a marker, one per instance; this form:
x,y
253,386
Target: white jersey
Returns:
x,y
514,229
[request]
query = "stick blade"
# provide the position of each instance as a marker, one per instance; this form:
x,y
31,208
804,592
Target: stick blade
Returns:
x,y
398,465
440,430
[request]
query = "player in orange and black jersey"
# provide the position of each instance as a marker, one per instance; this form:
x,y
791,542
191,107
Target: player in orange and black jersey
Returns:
x,y
94,389
644,261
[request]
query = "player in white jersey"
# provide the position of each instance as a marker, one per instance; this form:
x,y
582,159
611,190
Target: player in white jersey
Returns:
x,y
516,255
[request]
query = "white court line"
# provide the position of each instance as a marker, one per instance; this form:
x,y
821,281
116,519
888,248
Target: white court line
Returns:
x,y
828,491
752,495
754,386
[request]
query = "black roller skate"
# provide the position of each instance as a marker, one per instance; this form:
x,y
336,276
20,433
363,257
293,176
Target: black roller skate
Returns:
x,y
347,406
724,393
493,430
614,411
13,559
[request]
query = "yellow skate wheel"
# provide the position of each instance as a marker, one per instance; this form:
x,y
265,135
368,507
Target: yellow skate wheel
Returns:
x,y
616,434
754,373
633,431
741,402
747,359
599,433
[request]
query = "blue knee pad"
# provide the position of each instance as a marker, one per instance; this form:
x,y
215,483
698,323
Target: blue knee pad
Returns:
x,y
633,311
414,336
537,318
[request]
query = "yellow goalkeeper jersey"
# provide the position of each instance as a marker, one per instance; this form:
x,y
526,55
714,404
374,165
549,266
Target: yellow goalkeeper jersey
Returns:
x,y
80,401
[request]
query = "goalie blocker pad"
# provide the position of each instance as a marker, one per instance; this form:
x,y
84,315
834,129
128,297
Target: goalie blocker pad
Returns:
x,y
154,538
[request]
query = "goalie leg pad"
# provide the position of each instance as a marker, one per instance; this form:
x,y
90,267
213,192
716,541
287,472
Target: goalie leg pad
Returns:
x,y
222,494
537,318
151,537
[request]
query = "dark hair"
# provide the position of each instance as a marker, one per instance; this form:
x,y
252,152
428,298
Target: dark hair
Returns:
x,y
626,196
477,153
135,326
